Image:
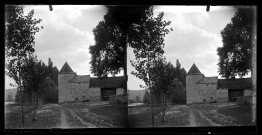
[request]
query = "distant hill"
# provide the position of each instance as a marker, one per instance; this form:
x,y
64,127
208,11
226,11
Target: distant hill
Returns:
x,y
11,92
133,93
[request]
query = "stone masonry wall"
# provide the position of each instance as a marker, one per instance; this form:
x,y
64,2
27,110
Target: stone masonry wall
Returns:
x,y
95,94
78,91
191,81
222,95
206,93
63,85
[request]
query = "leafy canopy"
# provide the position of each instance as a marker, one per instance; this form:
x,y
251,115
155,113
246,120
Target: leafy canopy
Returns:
x,y
111,34
19,39
148,45
238,37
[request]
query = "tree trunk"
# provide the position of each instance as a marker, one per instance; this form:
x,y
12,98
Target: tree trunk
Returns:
x,y
34,107
163,105
125,63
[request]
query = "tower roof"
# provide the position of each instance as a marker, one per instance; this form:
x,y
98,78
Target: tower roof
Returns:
x,y
194,70
66,69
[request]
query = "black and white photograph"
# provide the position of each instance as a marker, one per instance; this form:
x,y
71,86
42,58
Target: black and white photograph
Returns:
x,y
130,66
192,67
63,74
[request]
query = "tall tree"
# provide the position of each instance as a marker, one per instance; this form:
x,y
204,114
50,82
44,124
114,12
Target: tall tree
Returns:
x,y
111,36
19,41
48,92
238,38
148,43
183,74
52,71
178,68
34,73
55,75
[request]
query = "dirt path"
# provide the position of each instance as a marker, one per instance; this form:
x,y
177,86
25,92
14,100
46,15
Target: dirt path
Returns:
x,y
209,120
197,118
86,124
192,118
64,123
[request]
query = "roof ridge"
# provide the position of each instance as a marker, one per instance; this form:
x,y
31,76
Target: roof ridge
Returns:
x,y
66,68
194,70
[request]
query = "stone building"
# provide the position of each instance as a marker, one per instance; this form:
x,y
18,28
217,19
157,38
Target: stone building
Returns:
x,y
201,89
73,87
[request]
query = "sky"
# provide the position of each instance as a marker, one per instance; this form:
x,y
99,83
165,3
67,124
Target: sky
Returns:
x,y
68,33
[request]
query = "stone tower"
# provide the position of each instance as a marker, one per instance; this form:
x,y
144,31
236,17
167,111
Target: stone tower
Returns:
x,y
193,76
65,74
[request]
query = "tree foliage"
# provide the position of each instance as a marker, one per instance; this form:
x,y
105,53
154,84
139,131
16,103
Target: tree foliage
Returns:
x,y
48,91
148,44
238,37
111,34
108,52
162,74
19,39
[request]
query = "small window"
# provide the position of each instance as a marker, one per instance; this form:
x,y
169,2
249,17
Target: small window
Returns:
x,y
204,100
76,99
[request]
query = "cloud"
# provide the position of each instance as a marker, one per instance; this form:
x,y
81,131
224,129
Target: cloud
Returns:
x,y
66,35
195,38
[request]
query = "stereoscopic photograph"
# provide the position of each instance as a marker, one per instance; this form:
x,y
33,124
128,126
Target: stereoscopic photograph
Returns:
x,y
123,66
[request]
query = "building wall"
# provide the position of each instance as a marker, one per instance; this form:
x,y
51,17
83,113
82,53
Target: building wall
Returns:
x,y
191,81
79,91
206,92
63,86
95,94
119,91
222,95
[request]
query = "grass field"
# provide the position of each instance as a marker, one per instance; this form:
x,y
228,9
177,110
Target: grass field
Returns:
x,y
196,115
101,115
140,116
47,118
13,118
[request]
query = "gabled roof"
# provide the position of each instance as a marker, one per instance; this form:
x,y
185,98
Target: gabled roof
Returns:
x,y
66,69
80,79
243,83
193,70
208,80
109,82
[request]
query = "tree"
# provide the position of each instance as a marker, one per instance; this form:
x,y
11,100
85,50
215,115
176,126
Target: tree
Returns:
x,y
48,91
34,73
182,78
19,42
163,74
178,68
238,37
55,75
146,98
148,43
111,36
52,72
